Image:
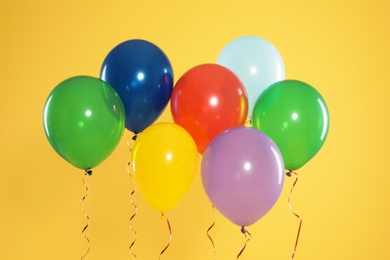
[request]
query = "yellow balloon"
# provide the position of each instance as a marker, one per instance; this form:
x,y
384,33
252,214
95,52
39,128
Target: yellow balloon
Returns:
x,y
164,164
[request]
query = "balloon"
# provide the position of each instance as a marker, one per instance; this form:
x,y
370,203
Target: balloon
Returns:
x,y
207,100
296,117
142,75
164,162
256,62
83,120
243,174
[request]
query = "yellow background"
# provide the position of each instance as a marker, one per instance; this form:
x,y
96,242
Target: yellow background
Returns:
x,y
339,47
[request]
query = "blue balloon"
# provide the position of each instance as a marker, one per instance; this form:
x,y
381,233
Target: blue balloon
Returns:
x,y
142,75
256,62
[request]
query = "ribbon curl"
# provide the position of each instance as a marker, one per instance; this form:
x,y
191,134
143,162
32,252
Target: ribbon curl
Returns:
x,y
131,218
212,225
87,172
170,235
248,238
133,203
289,174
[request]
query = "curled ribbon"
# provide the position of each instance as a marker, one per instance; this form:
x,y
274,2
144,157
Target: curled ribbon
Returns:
x,y
87,172
170,235
131,218
248,238
289,174
212,225
134,205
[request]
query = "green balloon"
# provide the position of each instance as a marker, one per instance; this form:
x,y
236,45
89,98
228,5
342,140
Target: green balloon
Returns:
x,y
83,120
296,117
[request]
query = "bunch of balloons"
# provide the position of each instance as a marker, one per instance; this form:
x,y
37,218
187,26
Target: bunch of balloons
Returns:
x,y
242,167
291,113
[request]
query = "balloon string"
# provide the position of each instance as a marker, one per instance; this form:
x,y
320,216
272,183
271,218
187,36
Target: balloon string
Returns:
x,y
87,172
135,208
212,225
289,174
170,234
248,238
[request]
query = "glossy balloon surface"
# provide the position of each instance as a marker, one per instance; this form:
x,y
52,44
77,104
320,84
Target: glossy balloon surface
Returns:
x,y
83,120
142,75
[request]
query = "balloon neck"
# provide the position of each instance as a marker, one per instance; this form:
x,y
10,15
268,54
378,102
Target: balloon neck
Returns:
x,y
243,230
88,171
162,216
134,137
289,173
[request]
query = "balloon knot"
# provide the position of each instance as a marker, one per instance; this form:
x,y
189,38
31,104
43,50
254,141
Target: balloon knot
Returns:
x,y
88,171
288,173
134,137
243,230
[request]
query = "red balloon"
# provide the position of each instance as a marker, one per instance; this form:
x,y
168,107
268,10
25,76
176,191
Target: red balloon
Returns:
x,y
207,100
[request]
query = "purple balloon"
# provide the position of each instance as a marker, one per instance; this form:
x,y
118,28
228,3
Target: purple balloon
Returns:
x,y
243,174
